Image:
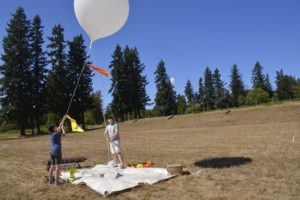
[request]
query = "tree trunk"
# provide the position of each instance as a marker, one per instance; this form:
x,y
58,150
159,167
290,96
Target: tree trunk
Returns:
x,y
32,125
135,114
83,122
131,116
22,129
122,116
37,117
38,126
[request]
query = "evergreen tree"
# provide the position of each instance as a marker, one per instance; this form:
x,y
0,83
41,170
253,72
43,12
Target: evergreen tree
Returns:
x,y
209,92
38,71
258,79
130,87
98,106
137,82
165,100
140,82
196,98
181,104
96,109
189,93
119,87
201,93
57,81
236,85
15,82
285,85
218,88
268,86
77,57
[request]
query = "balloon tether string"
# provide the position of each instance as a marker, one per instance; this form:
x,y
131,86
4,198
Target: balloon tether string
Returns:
x,y
80,75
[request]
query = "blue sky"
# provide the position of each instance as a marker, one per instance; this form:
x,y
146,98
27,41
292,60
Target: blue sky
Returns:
x,y
188,35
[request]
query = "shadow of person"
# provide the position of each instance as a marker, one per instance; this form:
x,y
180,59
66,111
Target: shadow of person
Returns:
x,y
223,162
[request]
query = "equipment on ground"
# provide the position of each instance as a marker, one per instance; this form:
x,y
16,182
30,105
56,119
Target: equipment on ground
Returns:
x,y
175,169
68,162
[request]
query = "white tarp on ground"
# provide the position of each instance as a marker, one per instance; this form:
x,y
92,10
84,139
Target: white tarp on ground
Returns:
x,y
106,179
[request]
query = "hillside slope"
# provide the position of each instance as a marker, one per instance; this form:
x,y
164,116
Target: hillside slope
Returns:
x,y
256,142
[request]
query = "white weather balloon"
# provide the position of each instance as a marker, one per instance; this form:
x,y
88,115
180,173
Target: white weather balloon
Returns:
x,y
101,18
173,81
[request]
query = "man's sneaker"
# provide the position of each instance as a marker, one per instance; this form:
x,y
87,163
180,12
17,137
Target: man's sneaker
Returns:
x,y
112,164
121,166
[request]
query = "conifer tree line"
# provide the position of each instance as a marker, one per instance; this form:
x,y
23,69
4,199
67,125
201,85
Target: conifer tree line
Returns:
x,y
38,75
37,83
213,94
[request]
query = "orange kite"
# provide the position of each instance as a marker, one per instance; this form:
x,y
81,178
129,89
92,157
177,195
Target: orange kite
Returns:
x,y
102,71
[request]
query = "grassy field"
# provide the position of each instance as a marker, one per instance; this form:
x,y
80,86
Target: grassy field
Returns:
x,y
268,166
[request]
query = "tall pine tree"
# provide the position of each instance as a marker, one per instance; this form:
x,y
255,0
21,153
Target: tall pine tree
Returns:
x,y
77,56
285,85
137,82
220,91
201,92
128,84
181,104
258,79
209,97
119,87
16,78
189,93
57,81
268,86
165,100
38,71
236,85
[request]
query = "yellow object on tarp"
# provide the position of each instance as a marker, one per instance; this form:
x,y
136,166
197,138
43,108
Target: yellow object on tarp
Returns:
x,y
74,125
139,166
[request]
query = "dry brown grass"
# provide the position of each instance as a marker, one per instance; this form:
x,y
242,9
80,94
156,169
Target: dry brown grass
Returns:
x,y
263,134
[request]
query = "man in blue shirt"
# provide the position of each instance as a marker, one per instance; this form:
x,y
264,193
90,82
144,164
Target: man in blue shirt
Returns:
x,y
55,152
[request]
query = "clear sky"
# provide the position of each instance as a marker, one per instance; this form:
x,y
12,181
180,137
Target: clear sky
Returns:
x,y
188,35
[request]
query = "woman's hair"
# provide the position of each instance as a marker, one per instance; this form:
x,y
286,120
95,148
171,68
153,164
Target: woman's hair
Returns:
x,y
51,127
110,117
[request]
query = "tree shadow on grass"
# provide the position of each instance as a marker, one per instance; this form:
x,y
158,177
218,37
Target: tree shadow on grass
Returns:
x,y
223,162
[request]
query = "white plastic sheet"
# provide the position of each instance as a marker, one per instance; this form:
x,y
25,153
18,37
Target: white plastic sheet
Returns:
x,y
106,180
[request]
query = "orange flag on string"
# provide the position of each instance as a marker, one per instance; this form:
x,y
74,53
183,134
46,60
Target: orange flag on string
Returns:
x,y
102,71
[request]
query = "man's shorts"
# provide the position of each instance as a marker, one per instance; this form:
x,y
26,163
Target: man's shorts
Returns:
x,y
115,146
55,158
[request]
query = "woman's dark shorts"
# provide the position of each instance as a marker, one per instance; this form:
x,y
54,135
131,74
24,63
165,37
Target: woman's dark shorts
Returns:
x,y
55,158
